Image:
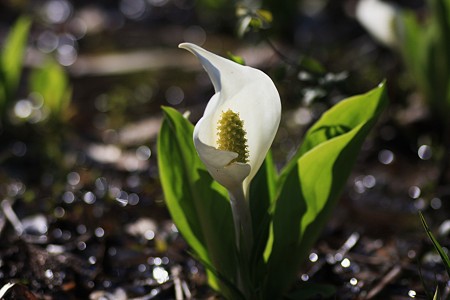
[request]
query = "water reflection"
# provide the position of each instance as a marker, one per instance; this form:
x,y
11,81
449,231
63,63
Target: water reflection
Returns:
x,y
99,232
424,152
73,178
81,246
16,188
133,181
81,229
19,148
386,157
414,192
66,54
345,263
47,41
313,257
174,95
57,11
92,260
149,235
23,108
143,152
160,274
59,212
362,183
369,181
133,199
112,251
68,197
142,268
133,9
89,197
48,273
195,34
122,198
436,203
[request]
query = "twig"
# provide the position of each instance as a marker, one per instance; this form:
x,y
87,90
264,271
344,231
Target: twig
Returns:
x,y
337,255
11,216
349,243
2,222
186,290
5,288
177,283
390,276
280,54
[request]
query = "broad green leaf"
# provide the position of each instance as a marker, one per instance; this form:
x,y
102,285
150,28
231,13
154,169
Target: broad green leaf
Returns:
x,y
338,120
437,246
11,59
52,84
199,206
310,187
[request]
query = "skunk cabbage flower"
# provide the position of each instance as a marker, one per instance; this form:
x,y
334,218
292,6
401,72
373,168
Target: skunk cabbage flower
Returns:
x,y
240,121
238,126
379,18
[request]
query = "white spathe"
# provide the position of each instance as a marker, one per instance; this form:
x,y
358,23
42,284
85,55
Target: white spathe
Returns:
x,y
379,19
248,92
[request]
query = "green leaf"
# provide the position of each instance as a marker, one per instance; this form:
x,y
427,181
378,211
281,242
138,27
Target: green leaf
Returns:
x,y
436,244
11,60
426,52
312,65
52,84
436,294
199,206
309,187
236,58
412,35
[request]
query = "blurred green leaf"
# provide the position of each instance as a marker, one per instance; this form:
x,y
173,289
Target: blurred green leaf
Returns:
x,y
11,60
310,185
412,36
199,206
236,58
312,65
436,244
252,18
260,20
51,82
425,49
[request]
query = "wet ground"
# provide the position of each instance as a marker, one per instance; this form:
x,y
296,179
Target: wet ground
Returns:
x,y
82,214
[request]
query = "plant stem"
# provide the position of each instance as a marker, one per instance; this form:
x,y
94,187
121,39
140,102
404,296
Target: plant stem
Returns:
x,y
244,234
242,221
